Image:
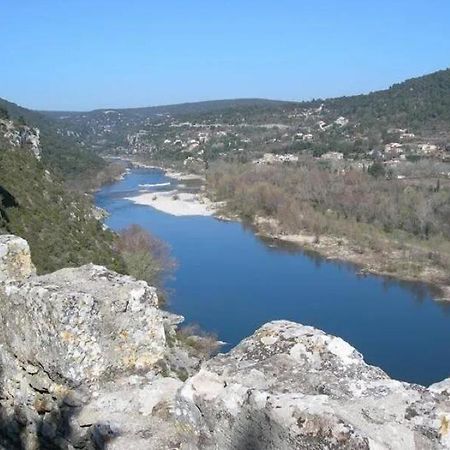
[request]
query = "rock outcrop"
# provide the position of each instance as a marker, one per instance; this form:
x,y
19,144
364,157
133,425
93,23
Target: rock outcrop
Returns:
x,y
88,360
15,258
81,325
20,136
64,336
293,386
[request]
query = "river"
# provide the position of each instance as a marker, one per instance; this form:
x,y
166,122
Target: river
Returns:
x,y
230,282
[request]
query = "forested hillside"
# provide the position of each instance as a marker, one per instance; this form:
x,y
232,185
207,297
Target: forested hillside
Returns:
x,y
59,225
414,115
421,104
60,152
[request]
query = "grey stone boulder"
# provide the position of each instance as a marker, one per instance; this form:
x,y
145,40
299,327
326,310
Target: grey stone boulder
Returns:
x,y
15,258
291,386
138,411
443,387
83,324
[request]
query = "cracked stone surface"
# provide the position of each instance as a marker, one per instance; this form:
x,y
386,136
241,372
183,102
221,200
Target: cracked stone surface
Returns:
x,y
88,361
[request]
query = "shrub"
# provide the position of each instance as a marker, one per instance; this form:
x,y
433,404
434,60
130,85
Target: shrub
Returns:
x,y
203,344
146,257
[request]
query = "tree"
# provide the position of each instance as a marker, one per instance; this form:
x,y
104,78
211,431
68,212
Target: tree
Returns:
x,y
377,170
146,257
4,113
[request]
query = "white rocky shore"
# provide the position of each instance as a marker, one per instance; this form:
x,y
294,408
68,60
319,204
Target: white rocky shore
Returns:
x,y
176,203
88,361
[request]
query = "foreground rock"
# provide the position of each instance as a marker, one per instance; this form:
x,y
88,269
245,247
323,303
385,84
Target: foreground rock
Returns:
x,y
293,386
65,337
81,325
88,360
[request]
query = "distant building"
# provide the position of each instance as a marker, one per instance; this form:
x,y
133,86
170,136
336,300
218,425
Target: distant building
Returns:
x,y
271,158
393,149
341,121
427,149
333,156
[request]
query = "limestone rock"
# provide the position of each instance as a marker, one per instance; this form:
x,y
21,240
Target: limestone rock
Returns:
x,y
139,409
82,324
15,258
88,360
20,136
443,387
291,386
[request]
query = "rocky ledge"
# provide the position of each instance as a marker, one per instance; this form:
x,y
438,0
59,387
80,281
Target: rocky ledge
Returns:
x,y
16,135
88,360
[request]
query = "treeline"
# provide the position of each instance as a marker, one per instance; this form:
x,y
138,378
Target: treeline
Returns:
x,y
366,210
93,179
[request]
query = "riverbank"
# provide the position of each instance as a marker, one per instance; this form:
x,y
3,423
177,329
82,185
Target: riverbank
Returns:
x,y
395,264
114,170
176,202
169,171
229,280
392,261
380,224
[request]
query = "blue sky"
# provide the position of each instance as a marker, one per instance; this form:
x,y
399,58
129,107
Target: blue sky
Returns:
x,y
85,54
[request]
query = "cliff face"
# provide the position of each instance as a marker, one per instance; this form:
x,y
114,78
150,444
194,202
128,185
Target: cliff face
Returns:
x,y
88,360
20,136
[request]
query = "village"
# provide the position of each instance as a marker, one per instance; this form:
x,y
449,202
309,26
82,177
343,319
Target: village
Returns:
x,y
195,143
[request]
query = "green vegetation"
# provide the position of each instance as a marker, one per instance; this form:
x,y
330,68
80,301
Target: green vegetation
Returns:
x,y
65,157
62,154
412,114
421,103
385,217
3,113
59,226
377,169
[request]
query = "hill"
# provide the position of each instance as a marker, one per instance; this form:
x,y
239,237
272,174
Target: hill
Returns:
x,y
61,152
420,104
414,113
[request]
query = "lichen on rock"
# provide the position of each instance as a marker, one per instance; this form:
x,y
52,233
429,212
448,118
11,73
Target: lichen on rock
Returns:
x,y
82,324
15,258
88,360
293,386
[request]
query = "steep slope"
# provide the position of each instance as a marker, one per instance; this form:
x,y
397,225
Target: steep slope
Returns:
x,y
60,152
60,226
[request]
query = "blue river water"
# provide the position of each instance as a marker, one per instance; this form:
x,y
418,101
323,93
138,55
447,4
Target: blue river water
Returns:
x,y
230,282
